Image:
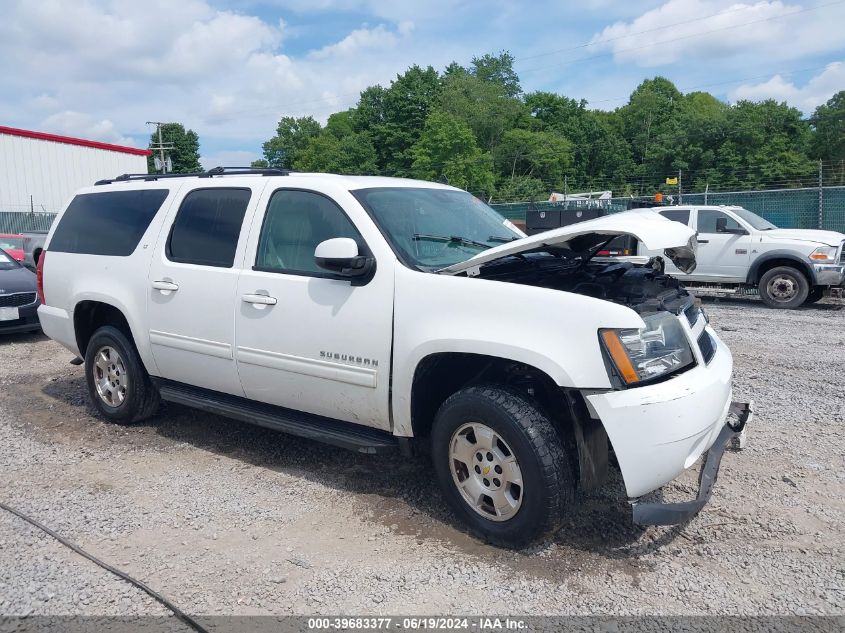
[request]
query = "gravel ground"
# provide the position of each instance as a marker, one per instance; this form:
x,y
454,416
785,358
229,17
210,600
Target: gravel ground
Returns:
x,y
225,518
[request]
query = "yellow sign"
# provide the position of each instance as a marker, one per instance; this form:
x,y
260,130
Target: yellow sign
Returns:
x,y
671,181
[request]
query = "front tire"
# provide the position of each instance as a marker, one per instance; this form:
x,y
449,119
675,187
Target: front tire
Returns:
x,y
501,465
118,384
783,287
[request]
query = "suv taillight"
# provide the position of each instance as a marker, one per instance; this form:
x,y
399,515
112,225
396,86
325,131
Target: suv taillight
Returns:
x,y
39,277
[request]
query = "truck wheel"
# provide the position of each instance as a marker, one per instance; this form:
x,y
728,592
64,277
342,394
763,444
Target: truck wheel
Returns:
x,y
783,287
501,465
815,294
118,384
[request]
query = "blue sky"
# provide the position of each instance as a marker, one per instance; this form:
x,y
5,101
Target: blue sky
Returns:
x,y
230,68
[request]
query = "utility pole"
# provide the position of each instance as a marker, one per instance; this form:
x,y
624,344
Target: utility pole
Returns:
x,y
160,146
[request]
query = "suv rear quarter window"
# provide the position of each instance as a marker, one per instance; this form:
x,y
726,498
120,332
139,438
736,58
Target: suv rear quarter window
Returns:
x,y
107,223
207,227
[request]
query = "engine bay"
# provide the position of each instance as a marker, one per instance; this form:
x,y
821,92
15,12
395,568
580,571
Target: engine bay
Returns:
x,y
643,287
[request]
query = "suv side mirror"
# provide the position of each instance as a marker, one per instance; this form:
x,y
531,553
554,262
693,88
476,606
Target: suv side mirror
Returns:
x,y
340,256
722,227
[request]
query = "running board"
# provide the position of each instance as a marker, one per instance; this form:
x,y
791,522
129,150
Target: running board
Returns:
x,y
354,437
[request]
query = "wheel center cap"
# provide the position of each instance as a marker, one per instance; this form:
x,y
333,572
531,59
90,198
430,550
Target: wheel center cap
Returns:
x,y
485,471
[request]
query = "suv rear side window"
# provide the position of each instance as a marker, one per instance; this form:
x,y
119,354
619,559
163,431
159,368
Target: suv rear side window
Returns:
x,y
678,215
296,221
108,223
207,227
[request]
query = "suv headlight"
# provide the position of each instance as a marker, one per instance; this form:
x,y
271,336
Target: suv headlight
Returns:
x,y
658,349
824,254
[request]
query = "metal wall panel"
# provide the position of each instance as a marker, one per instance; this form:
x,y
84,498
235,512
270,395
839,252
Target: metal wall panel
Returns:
x,y
51,172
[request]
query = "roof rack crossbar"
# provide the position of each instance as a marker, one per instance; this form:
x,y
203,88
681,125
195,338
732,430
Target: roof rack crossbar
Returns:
x,y
214,171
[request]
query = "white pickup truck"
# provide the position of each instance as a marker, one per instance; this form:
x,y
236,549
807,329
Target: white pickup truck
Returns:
x,y
380,314
738,248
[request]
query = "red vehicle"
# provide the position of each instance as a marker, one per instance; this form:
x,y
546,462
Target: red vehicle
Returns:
x,y
13,245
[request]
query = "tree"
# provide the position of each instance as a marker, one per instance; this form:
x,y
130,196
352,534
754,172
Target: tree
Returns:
x,y
447,148
185,155
484,106
394,117
522,188
650,124
259,164
829,123
292,136
498,69
541,155
352,154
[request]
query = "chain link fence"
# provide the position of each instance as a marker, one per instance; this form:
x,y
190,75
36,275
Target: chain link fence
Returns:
x,y
805,208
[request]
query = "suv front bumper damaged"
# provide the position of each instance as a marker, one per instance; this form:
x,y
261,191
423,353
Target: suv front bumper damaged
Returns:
x,y
733,433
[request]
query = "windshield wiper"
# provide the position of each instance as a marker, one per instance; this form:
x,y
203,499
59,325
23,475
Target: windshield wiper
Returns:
x,y
452,239
496,238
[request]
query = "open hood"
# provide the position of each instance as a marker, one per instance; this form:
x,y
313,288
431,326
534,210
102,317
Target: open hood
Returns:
x,y
655,232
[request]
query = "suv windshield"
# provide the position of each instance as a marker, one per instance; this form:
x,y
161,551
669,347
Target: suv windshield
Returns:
x,y
433,228
754,220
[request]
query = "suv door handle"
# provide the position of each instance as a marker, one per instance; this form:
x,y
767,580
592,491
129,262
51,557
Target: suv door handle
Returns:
x,y
160,284
703,241
263,300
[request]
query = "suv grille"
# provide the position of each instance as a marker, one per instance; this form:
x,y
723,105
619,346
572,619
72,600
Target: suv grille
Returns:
x,y
17,300
707,346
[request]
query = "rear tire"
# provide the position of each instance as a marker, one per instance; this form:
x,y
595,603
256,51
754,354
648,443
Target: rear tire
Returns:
x,y
501,465
118,383
816,294
783,287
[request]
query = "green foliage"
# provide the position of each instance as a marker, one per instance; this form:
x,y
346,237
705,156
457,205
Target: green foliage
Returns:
x,y
351,154
292,136
394,117
498,69
542,155
476,127
447,147
185,154
259,164
484,106
522,188
829,121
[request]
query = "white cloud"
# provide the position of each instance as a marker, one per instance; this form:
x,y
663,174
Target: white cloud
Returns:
x,y
697,30
72,123
807,97
363,39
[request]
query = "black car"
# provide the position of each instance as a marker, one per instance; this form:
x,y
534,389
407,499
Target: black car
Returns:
x,y
18,297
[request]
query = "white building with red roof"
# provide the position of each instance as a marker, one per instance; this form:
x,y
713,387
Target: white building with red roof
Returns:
x,y
44,170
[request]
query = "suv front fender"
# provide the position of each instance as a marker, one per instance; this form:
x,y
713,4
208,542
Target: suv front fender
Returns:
x,y
787,257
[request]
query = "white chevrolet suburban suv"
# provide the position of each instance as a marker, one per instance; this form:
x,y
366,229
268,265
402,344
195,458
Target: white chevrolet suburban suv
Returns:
x,y
381,314
739,249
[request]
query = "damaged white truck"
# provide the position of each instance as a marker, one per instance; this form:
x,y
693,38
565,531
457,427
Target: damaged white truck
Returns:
x,y
385,314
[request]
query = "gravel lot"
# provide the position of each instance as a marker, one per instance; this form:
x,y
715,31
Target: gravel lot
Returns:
x,y
227,518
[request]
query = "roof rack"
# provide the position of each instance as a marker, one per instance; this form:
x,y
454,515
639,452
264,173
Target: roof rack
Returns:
x,y
214,171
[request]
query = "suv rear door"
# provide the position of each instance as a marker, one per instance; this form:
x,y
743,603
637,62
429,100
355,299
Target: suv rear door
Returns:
x,y
307,340
192,281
